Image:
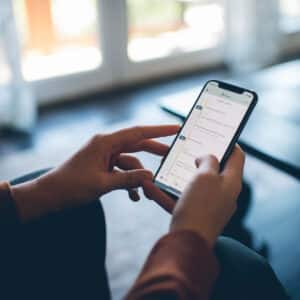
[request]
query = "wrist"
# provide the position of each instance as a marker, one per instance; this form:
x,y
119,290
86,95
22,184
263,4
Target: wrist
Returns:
x,y
207,235
34,199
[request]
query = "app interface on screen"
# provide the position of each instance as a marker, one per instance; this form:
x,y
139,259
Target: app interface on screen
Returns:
x,y
209,130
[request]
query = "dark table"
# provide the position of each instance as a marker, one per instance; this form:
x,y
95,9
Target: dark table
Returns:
x,y
273,131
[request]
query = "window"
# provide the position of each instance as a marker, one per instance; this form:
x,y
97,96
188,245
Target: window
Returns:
x,y
162,28
290,15
59,37
73,47
5,72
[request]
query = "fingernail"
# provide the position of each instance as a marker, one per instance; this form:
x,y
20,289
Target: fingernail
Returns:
x,y
134,195
136,198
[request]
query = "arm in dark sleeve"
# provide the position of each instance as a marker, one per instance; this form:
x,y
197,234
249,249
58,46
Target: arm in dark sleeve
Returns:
x,y
180,266
9,218
10,240
10,225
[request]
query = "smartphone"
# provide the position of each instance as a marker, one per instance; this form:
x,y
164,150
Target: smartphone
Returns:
x,y
213,126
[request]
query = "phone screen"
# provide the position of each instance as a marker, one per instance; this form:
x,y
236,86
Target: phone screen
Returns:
x,y
209,129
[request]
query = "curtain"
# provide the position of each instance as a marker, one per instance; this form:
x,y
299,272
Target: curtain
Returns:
x,y
17,105
253,34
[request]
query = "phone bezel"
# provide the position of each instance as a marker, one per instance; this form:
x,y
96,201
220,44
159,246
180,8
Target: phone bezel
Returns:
x,y
225,86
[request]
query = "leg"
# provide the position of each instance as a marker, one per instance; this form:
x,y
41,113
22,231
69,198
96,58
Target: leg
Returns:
x,y
244,274
63,255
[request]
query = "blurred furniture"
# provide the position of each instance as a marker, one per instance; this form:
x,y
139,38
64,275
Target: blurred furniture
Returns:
x,y
16,101
273,131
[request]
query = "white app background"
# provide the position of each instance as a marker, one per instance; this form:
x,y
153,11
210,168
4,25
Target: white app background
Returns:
x,y
209,130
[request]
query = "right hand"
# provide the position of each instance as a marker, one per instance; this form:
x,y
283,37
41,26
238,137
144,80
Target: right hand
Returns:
x,y
91,172
209,201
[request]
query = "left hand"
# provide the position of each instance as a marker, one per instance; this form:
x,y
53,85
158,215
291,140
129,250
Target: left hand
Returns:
x,y
92,172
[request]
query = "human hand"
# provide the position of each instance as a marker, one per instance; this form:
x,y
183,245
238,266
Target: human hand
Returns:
x,y
92,172
209,201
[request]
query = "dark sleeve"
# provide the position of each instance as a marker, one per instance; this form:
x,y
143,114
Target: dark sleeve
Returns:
x,y
11,243
180,266
8,212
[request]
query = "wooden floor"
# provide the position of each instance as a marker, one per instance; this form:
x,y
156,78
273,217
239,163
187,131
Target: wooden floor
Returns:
x,y
271,225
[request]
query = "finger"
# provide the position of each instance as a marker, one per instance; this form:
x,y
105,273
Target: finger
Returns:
x,y
150,146
152,192
134,195
128,162
125,137
129,179
207,164
234,166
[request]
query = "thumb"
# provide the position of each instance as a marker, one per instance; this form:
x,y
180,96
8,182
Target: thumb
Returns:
x,y
207,164
129,179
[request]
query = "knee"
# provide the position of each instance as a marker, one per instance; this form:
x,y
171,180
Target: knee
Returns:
x,y
241,269
93,216
240,259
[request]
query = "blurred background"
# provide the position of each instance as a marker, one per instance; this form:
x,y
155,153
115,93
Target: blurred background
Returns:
x,y
69,69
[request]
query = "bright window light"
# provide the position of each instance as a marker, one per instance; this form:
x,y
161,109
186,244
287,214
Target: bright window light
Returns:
x,y
163,28
58,37
290,12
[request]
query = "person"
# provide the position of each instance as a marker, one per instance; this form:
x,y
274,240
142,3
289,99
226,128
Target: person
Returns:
x,y
53,232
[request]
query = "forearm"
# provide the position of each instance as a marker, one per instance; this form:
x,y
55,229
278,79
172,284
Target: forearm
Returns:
x,y
180,266
30,200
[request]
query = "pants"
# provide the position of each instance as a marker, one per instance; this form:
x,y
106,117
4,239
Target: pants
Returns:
x,y
62,256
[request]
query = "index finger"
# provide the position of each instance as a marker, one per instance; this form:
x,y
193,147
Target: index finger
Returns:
x,y
125,137
152,192
234,167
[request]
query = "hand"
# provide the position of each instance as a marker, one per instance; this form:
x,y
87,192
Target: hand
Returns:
x,y
209,201
92,172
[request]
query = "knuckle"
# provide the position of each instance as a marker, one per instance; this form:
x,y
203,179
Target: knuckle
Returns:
x,y
96,139
138,128
212,158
